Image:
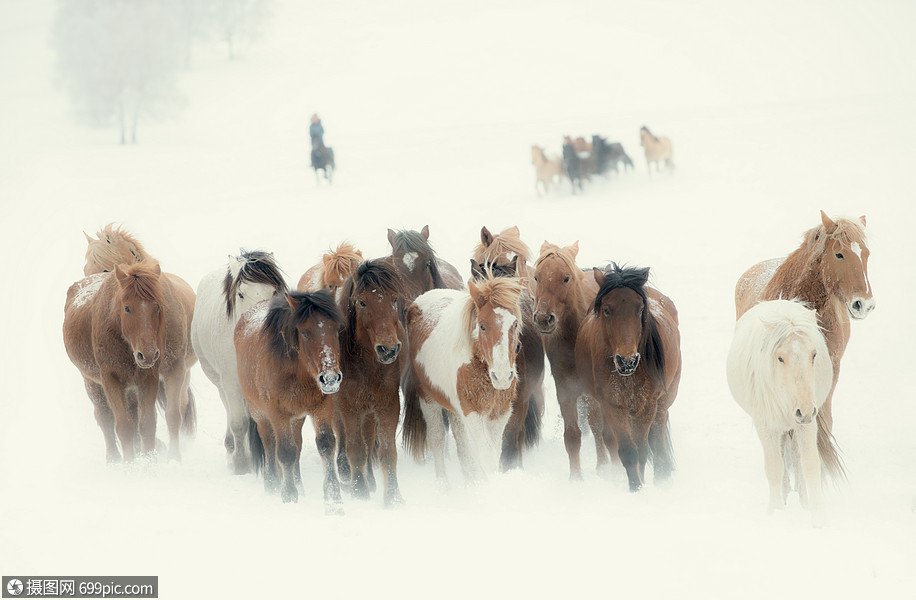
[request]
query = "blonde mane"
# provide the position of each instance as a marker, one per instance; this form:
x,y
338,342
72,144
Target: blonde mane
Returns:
x,y
114,246
847,232
337,263
508,241
499,292
565,254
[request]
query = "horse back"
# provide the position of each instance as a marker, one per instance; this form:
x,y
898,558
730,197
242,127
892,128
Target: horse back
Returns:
x,y
311,279
179,314
750,287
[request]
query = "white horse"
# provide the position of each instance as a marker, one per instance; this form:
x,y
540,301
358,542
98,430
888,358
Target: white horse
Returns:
x,y
223,296
780,373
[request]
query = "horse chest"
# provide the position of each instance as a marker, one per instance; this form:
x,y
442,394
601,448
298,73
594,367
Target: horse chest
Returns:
x,y
477,394
634,394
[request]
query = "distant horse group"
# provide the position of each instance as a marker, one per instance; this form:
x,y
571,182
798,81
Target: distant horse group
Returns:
x,y
467,356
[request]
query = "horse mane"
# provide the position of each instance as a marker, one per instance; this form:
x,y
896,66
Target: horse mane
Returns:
x,y
650,344
256,267
646,129
338,262
768,325
281,321
114,246
847,232
564,254
500,292
405,241
373,275
143,282
506,241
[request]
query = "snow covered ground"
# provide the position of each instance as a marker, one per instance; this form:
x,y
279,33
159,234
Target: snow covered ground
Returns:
x,y
776,110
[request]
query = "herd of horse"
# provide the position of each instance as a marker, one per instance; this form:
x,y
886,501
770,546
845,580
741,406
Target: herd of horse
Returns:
x,y
356,336
581,159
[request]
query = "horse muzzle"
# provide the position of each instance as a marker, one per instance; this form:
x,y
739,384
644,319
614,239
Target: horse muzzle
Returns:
x,y
859,308
387,354
626,366
329,383
147,360
804,419
545,323
502,381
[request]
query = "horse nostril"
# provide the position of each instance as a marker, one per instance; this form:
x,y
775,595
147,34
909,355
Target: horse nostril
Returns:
x,y
551,319
798,413
857,305
140,357
155,358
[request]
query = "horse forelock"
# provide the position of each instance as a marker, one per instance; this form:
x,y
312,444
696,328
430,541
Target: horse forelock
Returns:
x,y
257,267
406,240
338,262
281,321
564,254
498,292
142,283
506,242
847,232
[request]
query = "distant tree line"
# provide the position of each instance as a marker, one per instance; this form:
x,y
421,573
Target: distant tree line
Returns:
x,y
119,59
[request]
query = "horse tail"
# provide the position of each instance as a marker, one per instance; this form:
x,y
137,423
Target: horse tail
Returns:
x,y
255,446
666,444
532,423
413,431
828,450
189,418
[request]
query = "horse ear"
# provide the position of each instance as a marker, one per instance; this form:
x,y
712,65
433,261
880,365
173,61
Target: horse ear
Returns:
x,y
326,260
425,232
293,303
354,265
476,296
642,276
157,269
359,253
475,268
514,231
485,236
862,218
514,264
89,239
575,248
599,276
391,237
829,224
120,274
545,246
235,265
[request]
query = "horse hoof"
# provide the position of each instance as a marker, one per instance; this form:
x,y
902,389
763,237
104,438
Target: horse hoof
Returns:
x,y
394,499
290,495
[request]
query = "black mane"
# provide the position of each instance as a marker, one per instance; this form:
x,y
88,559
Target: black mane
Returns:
x,y
281,321
650,344
259,267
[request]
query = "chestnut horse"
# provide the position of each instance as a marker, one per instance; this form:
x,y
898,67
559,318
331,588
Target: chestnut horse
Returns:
x,y
125,331
113,246
498,250
829,273
629,359
368,407
779,372
419,265
463,347
223,296
658,150
288,366
561,301
333,270
546,169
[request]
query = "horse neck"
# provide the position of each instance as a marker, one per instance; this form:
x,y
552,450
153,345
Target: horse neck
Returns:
x,y
578,306
799,277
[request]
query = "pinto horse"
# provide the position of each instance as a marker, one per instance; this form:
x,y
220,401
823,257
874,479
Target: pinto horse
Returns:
x,y
658,150
419,265
333,270
546,169
288,365
368,407
561,301
112,246
223,296
828,272
125,331
463,347
629,359
779,372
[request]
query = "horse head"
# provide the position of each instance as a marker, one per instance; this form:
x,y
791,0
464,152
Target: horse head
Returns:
x,y
140,299
374,296
495,322
844,263
250,278
556,276
622,308
314,321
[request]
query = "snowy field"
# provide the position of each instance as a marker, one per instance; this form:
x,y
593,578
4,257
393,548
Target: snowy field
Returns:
x,y
775,110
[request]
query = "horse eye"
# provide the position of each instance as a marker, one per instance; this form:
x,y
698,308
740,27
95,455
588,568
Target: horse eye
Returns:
x,y
566,280
839,255
518,348
241,296
127,309
361,303
482,328
607,311
306,335
780,359
813,356
535,279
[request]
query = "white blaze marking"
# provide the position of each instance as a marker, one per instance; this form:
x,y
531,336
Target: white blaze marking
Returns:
x,y
409,259
855,247
500,362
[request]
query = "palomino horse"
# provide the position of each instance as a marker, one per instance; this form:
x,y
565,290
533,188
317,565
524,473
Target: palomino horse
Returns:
x,y
829,273
524,426
419,265
779,372
561,301
287,351
367,407
223,296
546,169
113,246
124,331
333,270
658,150
463,347
629,359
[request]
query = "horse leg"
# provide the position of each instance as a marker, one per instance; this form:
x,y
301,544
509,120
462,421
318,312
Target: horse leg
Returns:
x,y
297,439
176,397
806,436
369,434
269,441
388,452
572,435
105,418
435,436
660,447
355,451
773,465
234,399
468,441
146,413
322,419
513,437
599,432
286,456
124,423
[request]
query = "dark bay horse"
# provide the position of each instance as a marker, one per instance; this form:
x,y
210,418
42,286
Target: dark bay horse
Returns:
x,y
610,155
323,160
125,331
368,407
629,360
288,364
419,264
829,273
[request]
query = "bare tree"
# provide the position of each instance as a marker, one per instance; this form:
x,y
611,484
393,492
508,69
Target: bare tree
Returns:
x,y
240,22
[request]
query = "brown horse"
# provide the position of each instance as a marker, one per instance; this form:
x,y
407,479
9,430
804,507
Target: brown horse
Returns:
x,y
629,359
498,250
125,331
333,270
658,150
580,144
113,246
561,301
287,351
367,407
463,347
828,272
419,265
546,169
